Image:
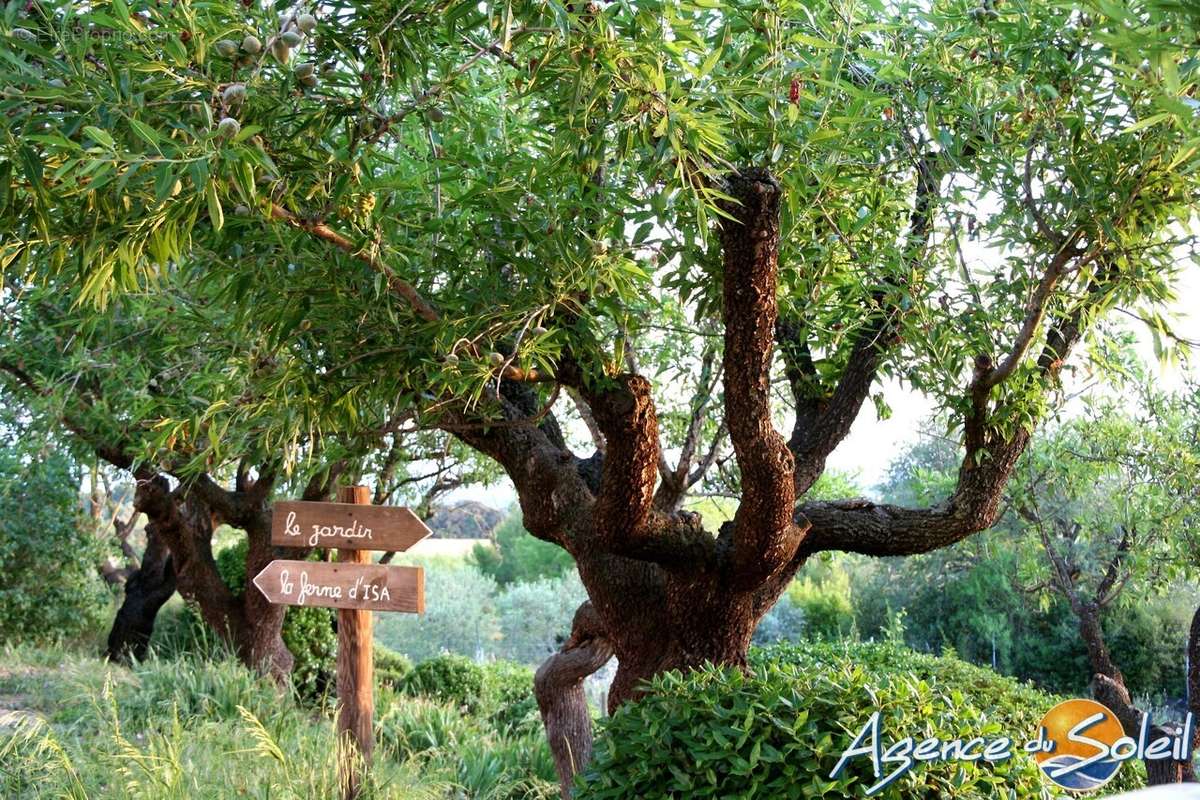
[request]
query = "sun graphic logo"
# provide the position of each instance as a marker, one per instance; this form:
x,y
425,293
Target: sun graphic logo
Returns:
x,y
1079,745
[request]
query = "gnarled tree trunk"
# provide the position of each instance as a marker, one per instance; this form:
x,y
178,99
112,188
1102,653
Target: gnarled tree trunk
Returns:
x,y
558,686
185,519
146,590
666,593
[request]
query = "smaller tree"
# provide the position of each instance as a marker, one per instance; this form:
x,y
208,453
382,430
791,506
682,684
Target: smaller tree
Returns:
x,y
518,555
1103,496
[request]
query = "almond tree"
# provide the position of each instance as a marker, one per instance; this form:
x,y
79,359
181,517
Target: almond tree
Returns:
x,y
456,210
105,381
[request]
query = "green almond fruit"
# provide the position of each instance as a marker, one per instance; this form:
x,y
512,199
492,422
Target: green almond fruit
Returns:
x,y
251,45
281,51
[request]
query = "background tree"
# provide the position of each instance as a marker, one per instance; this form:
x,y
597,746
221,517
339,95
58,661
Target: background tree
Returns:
x,y
107,381
1104,499
51,590
454,210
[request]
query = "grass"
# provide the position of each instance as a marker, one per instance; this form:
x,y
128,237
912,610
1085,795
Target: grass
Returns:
x,y
191,728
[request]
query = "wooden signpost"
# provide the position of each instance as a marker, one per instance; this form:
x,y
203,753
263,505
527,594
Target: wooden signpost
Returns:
x,y
355,587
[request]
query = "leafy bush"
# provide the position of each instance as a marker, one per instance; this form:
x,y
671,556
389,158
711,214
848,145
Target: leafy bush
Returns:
x,y
391,667
518,556
460,617
510,705
307,630
450,678
779,730
50,587
536,616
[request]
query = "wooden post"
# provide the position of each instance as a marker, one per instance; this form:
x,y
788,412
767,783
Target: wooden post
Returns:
x,y
355,674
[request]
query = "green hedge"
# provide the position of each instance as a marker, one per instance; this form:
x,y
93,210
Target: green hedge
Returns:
x,y
449,678
778,731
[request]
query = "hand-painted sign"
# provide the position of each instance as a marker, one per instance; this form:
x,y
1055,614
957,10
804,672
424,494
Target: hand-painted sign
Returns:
x,y
372,587
348,526
356,587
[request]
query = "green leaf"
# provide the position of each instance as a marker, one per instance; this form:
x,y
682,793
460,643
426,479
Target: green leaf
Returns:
x,y
100,136
215,214
145,133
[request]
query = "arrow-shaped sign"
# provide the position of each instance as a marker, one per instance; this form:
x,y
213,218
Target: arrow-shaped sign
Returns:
x,y
295,523
374,587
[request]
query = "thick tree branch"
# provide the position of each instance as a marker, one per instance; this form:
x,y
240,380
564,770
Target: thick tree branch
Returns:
x,y
887,530
558,687
555,500
765,537
626,416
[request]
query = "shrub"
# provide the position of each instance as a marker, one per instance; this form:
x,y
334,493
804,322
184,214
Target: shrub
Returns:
x,y
510,705
391,667
779,730
307,631
536,616
50,587
823,596
450,678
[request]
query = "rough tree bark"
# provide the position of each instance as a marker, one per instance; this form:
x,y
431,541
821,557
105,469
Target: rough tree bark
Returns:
x,y
1108,687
